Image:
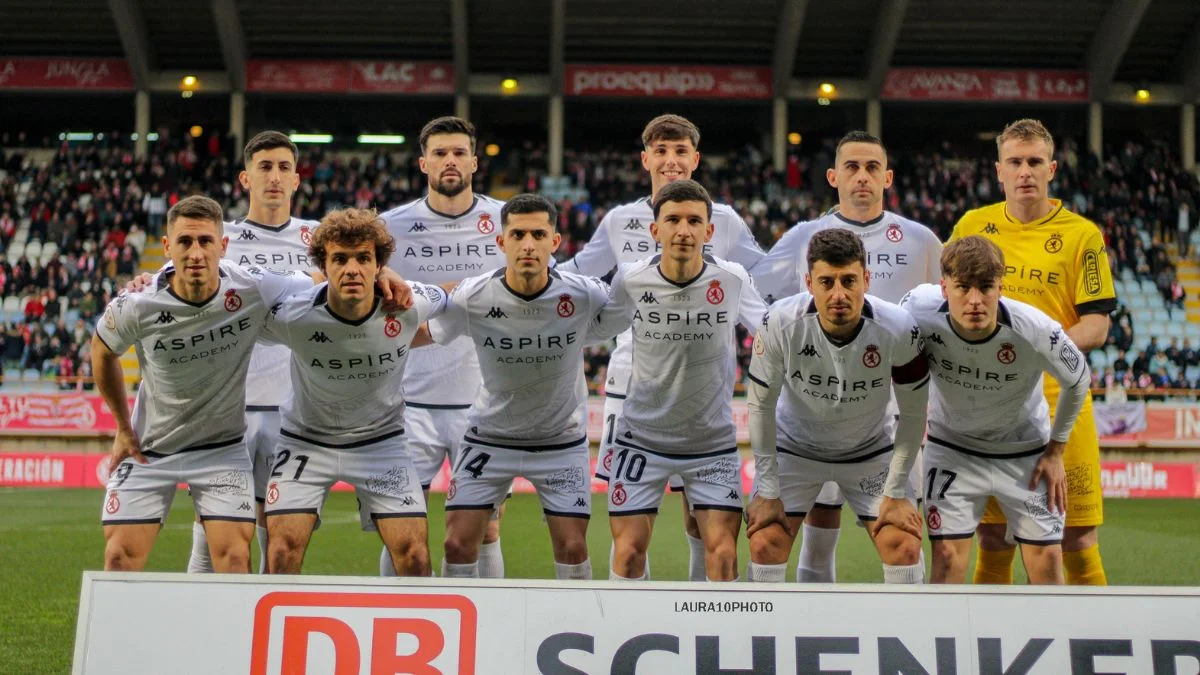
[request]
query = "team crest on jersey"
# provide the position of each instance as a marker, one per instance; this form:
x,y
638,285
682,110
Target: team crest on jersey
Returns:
x,y
934,519
566,306
485,224
607,462
273,493
871,357
715,294
1007,353
1055,243
113,504
391,326
452,489
306,235
232,301
618,494
894,234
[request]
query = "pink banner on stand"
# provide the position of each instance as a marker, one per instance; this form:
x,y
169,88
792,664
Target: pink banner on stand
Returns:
x,y
65,73
973,84
658,81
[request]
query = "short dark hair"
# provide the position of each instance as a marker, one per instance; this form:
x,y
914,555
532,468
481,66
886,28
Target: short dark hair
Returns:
x,y
836,247
670,128
351,227
973,260
268,140
198,207
447,125
686,190
529,203
859,136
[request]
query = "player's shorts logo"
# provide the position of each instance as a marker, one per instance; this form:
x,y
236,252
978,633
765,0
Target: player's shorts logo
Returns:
x,y
273,493
934,519
391,326
110,321
232,302
618,495
894,233
113,505
1007,353
715,295
759,347
1054,244
452,489
485,224
871,357
566,307
305,235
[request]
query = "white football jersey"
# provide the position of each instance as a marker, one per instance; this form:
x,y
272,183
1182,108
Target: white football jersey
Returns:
x,y
193,357
901,255
835,398
623,236
435,248
348,375
987,395
281,248
680,398
530,351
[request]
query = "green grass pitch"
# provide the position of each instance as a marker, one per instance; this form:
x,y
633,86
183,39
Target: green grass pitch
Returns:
x,y
48,537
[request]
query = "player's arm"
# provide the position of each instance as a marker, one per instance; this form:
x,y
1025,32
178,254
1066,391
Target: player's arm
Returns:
x,y
744,249
616,313
110,380
429,302
762,394
396,293
1095,296
777,274
910,384
1091,332
751,307
596,258
1066,364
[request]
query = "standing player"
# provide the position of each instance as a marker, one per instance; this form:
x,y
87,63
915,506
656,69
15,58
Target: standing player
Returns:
x,y
528,325
669,154
989,425
446,236
193,330
345,418
901,255
839,354
1055,260
678,415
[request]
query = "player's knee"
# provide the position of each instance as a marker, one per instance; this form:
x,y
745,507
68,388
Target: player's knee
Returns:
x,y
898,547
458,550
231,558
629,556
572,551
770,546
119,557
992,537
1080,538
411,559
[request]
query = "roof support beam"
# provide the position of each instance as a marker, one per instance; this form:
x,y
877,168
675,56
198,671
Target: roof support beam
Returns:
x,y
787,36
1110,43
232,39
131,28
462,76
1189,60
884,36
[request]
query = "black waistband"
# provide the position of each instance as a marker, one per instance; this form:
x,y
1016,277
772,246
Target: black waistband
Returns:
x,y
528,448
677,455
986,455
342,446
207,446
853,460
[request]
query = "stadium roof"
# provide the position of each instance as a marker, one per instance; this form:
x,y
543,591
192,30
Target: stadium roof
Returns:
x,y
1128,41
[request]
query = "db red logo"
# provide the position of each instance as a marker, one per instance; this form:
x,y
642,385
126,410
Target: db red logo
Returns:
x,y
391,326
607,462
566,307
759,347
299,632
485,224
1007,353
871,357
273,493
452,489
113,504
618,494
305,235
714,295
232,302
934,519
894,233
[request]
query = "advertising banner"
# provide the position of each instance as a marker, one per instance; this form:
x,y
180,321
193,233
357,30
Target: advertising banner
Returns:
x,y
65,73
659,81
973,84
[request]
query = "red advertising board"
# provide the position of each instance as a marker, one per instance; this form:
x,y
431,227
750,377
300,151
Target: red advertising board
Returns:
x,y
65,73
402,77
355,77
658,81
1145,480
298,77
971,84
56,414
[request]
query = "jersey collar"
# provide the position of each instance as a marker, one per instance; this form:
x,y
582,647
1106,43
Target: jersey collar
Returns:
x,y
272,228
1058,206
474,203
527,298
860,223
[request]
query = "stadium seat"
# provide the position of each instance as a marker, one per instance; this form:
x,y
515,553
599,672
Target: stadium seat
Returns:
x,y
70,317
1175,329
1191,373
1136,301
1156,328
1192,332
50,247
33,250
1127,275
1139,345
1111,352
1098,359
16,249
1148,288
1162,315
12,374
1141,317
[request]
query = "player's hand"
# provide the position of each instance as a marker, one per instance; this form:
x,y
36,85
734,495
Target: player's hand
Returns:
x,y
1051,469
397,295
138,283
762,513
898,513
126,444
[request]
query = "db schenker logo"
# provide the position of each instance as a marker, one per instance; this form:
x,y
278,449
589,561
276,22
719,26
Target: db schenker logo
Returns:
x,y
315,632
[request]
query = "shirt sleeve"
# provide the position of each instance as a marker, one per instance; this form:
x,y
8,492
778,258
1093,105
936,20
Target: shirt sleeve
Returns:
x,y
1094,292
767,365
118,325
597,257
453,320
1066,364
744,249
275,285
607,318
616,316
751,307
933,260
274,331
429,301
778,274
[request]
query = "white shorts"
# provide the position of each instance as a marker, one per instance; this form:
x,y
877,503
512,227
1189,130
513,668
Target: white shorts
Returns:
x,y
614,405
434,436
262,437
802,481
220,479
958,485
380,470
483,475
712,480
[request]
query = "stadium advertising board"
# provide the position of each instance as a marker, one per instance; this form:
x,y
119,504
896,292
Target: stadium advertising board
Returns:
x,y
354,77
352,625
658,81
973,84
65,73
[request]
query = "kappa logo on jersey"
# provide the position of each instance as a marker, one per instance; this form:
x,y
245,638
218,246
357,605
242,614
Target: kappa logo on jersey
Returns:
x,y
991,229
809,350
485,224
418,227
715,295
934,519
391,326
113,504
1054,338
163,317
936,338
618,494
871,357
648,299
273,493
894,234
247,235
1055,243
232,301
496,313
635,224
318,336
566,306
1007,353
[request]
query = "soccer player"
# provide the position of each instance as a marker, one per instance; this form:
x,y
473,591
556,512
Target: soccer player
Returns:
x,y
678,416
445,236
344,420
839,354
528,325
669,154
1055,260
989,425
901,255
194,330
